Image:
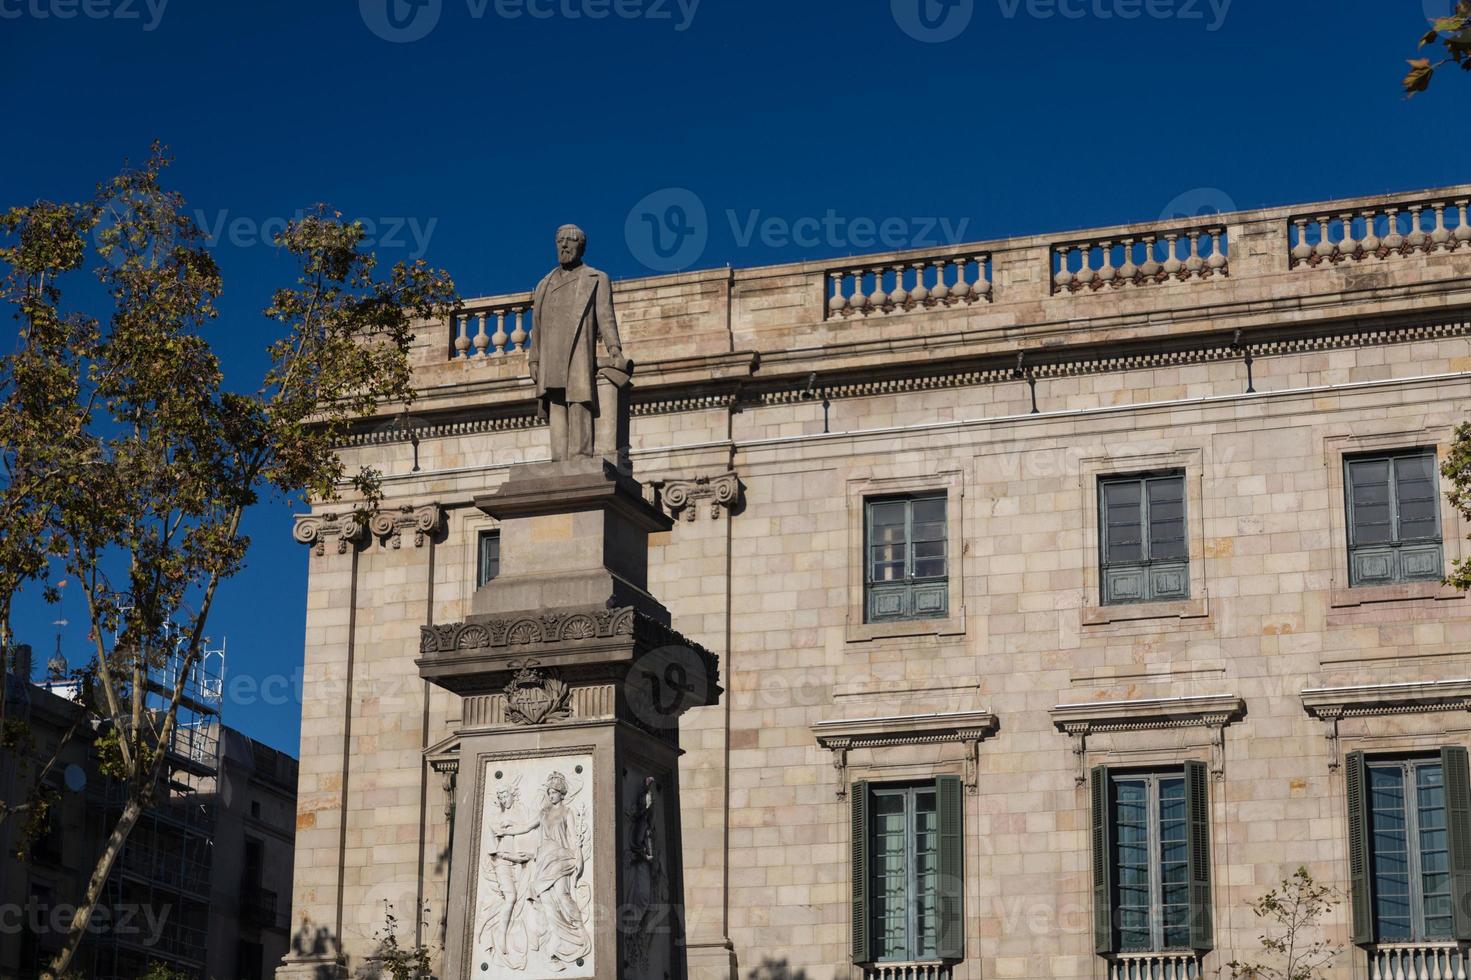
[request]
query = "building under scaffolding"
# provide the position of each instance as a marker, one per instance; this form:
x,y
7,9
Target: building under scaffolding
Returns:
x,y
165,865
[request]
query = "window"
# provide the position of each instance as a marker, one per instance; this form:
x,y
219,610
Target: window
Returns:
x,y
1393,518
488,558
907,564
1410,846
1151,860
908,870
1145,552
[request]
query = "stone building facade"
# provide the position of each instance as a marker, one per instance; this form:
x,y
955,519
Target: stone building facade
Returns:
x,y
1070,592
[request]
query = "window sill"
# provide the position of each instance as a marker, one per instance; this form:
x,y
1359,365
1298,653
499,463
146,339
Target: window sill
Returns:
x,y
865,632
1136,611
1365,595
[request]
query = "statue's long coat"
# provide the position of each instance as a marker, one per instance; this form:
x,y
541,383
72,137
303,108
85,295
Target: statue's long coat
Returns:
x,y
570,316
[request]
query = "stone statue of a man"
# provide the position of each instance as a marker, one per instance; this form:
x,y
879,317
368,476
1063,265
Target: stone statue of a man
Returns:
x,y
573,309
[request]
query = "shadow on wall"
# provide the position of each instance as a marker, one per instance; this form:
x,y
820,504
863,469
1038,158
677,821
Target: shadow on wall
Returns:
x,y
776,970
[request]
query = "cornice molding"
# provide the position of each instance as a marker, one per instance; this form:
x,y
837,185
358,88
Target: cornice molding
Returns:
x,y
840,736
1331,705
1211,711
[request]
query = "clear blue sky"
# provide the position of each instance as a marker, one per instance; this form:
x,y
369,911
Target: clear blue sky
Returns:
x,y
477,139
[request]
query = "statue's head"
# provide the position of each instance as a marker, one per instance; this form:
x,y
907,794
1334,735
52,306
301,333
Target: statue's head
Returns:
x,y
506,797
571,244
556,787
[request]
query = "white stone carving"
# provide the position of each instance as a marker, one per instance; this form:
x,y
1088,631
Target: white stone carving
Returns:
x,y
534,887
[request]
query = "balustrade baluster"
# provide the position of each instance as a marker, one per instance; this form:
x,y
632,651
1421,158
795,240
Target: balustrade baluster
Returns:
x,y
1463,230
1107,272
482,339
1151,266
1348,246
900,296
837,302
1172,263
500,337
962,288
462,337
1128,271
983,281
1393,241
941,292
879,297
920,294
1302,251
1325,247
1063,277
1369,245
1399,966
1194,263
1218,258
1460,956
1087,275
1417,237
519,335
1441,234
858,299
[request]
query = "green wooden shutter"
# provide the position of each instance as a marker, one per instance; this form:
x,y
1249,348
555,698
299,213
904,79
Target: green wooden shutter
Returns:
x,y
1197,799
858,800
1103,935
1458,824
1361,883
950,799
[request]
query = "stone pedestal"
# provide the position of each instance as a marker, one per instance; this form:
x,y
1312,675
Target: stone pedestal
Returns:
x,y
566,843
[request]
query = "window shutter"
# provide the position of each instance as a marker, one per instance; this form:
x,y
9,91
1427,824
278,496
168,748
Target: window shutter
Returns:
x,y
1197,798
1458,824
1361,892
858,800
1102,864
950,800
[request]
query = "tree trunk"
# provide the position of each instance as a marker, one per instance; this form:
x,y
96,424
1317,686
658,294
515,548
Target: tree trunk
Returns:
x,y
132,810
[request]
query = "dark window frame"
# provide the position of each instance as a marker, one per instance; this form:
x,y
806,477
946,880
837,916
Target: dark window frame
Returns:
x,y
1154,782
1400,560
487,554
912,597
1132,581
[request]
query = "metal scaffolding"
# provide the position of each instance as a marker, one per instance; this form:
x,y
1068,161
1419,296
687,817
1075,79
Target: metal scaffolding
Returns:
x,y
162,876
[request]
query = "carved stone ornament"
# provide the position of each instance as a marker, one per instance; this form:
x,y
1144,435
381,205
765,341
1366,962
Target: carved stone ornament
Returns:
x,y
1330,705
1210,712
721,493
534,697
317,528
390,525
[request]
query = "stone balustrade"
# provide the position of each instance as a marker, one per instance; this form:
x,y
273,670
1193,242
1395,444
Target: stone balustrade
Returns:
x,y
909,284
1250,268
488,329
1418,961
931,970
1354,235
1154,966
1141,260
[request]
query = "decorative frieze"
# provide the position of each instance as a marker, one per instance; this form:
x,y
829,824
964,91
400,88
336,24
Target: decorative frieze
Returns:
x,y
390,525
840,736
527,631
720,494
1212,712
316,529
1331,705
